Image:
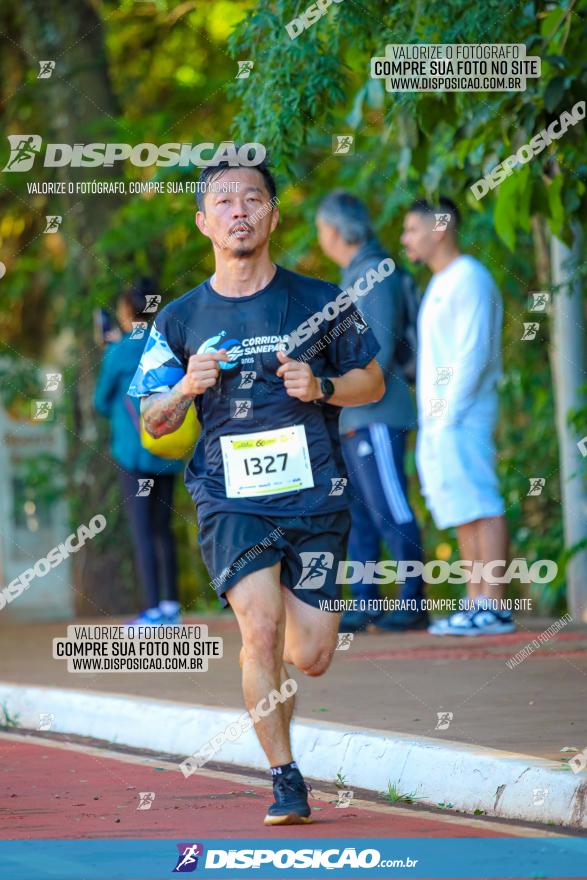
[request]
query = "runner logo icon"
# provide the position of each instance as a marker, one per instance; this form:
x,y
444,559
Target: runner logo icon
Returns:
x,y
23,151
187,861
241,409
338,485
247,378
315,569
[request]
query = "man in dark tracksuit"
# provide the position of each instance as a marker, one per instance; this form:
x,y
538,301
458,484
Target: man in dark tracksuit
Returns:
x,y
374,435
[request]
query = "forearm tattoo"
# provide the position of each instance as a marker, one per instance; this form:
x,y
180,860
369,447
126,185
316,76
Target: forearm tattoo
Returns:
x,y
164,413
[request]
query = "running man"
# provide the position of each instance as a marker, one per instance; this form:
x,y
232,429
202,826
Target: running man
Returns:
x,y
459,364
269,473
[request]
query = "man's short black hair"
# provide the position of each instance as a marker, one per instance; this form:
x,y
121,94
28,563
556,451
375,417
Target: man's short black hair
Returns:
x,y
444,206
211,173
135,296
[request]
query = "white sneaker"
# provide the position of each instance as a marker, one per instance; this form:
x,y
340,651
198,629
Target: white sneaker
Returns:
x,y
438,628
481,622
170,612
150,617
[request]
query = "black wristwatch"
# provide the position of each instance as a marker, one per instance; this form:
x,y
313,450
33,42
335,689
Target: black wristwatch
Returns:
x,y
327,389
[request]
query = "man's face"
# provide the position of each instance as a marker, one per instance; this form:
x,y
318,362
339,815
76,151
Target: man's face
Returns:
x,y
328,238
124,315
238,223
418,238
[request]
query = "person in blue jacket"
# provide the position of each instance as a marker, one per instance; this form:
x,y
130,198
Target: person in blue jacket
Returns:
x,y
148,505
374,436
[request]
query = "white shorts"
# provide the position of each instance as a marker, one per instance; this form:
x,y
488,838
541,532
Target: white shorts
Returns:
x,y
456,466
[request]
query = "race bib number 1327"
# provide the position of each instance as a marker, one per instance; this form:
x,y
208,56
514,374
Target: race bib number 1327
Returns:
x,y
266,462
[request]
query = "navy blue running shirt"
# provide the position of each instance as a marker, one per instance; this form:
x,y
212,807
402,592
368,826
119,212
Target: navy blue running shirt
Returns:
x,y
252,329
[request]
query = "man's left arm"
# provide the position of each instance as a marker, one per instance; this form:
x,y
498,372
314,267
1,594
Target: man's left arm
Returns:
x,y
473,346
382,310
355,387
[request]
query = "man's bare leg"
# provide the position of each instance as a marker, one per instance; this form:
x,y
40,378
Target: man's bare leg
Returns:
x,y
493,545
285,676
277,627
311,635
469,548
258,605
289,704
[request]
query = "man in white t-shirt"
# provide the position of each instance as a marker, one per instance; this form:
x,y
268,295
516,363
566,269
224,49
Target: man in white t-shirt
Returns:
x,y
459,365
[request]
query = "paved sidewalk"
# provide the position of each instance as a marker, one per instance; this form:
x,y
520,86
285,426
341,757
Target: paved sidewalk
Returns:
x,y
389,682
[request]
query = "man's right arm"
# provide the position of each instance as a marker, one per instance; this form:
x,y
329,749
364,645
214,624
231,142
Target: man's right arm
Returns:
x,y
382,309
164,412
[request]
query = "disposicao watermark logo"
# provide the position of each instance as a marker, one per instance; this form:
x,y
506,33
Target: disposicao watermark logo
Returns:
x,y
308,17
236,729
56,555
24,149
523,154
345,299
187,860
316,858
437,571
455,67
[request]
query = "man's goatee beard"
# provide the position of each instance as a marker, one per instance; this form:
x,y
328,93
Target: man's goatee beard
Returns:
x,y
244,252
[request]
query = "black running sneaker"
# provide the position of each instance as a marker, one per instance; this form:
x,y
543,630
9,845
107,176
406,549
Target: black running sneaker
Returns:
x,y
291,800
401,621
358,621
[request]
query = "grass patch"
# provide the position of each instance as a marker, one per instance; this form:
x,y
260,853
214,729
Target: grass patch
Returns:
x,y
6,719
395,796
340,780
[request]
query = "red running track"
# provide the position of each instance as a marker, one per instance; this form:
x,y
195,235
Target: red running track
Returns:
x,y
49,792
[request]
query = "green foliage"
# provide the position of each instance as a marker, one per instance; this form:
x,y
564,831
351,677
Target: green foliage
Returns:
x,y
19,380
407,145
7,719
340,780
172,66
395,796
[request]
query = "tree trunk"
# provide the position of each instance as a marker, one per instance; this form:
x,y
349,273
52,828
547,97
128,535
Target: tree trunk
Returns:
x,y
568,340
80,107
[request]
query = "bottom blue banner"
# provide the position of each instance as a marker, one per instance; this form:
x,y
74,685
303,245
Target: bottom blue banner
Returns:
x,y
368,858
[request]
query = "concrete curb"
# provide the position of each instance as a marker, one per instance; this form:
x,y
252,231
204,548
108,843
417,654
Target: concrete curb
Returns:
x,y
468,777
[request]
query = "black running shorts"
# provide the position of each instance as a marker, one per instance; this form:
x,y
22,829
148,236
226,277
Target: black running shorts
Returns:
x,y
308,547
